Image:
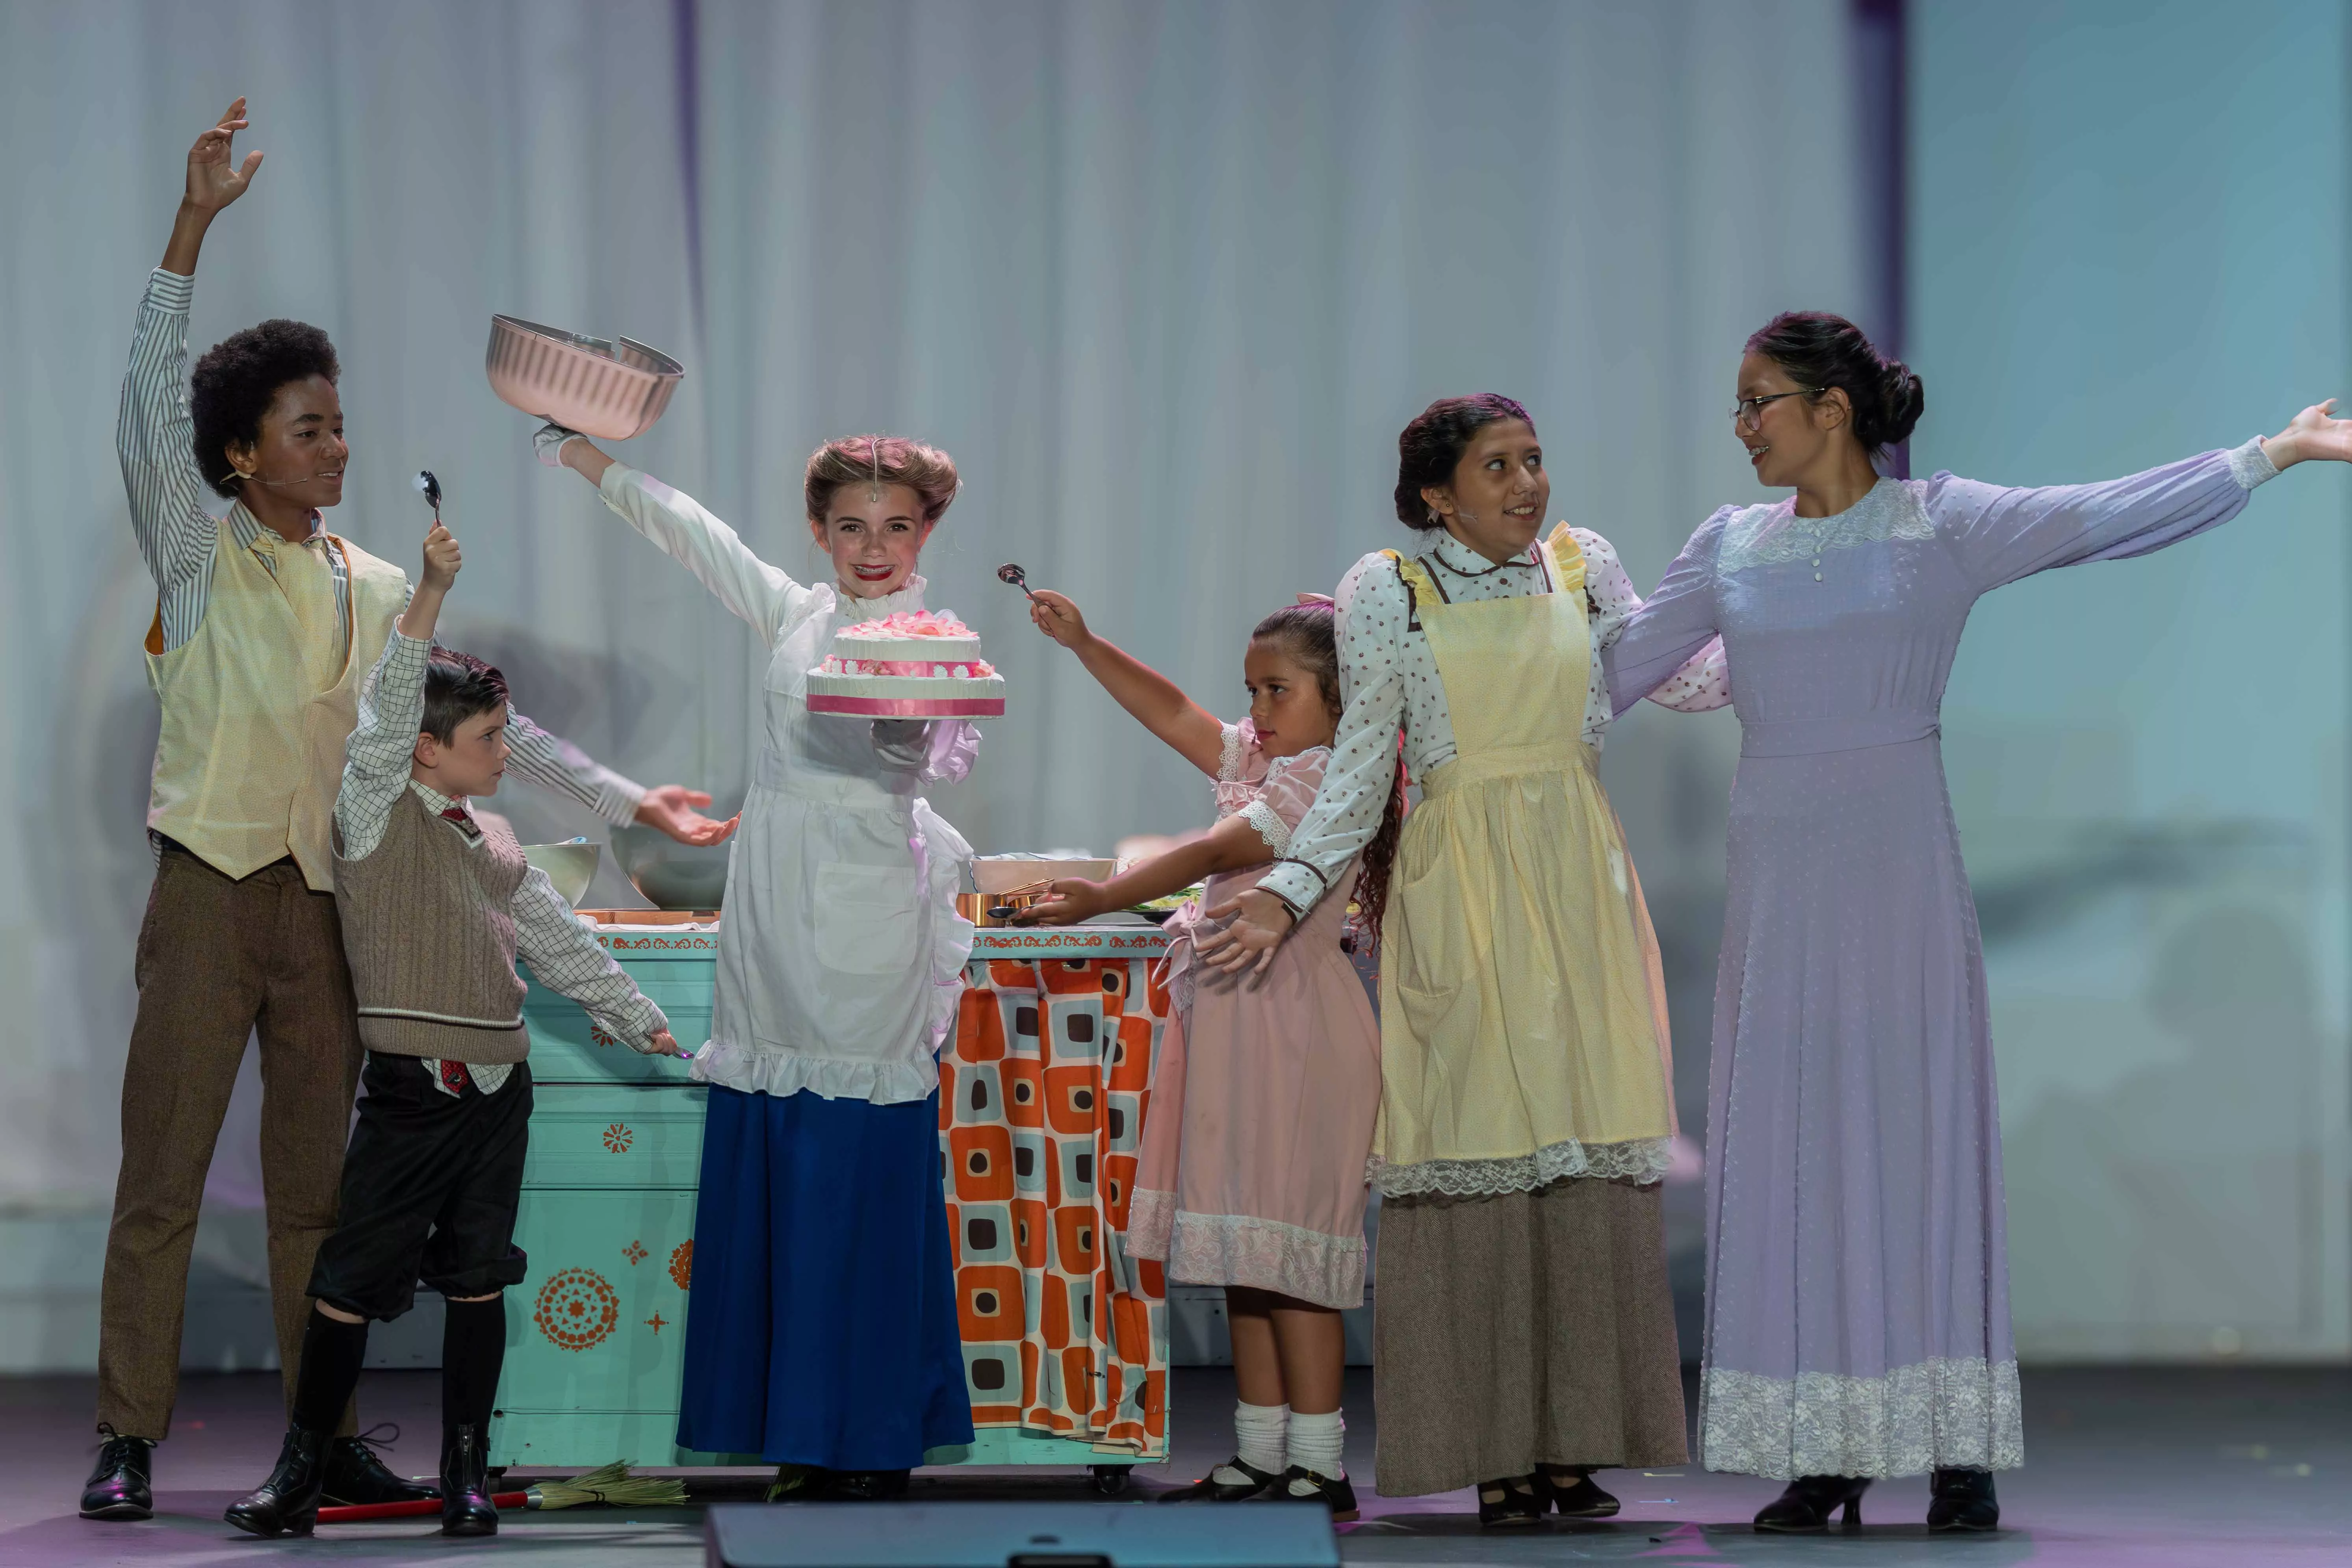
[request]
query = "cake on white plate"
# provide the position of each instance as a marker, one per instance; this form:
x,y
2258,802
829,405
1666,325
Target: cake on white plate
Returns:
x,y
923,664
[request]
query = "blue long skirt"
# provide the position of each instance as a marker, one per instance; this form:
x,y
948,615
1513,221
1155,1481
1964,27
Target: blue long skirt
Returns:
x,y
821,1323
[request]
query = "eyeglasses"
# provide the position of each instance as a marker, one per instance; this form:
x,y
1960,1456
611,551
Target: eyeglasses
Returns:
x,y
1748,412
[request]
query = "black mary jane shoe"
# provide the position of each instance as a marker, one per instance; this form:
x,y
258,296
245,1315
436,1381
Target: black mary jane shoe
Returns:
x,y
1805,1508
1963,1500
466,1506
287,1502
1511,1503
355,1475
800,1483
1571,1491
869,1486
1300,1484
120,1484
1255,1483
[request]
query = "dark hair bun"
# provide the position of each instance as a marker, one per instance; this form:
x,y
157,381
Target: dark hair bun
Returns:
x,y
1819,350
1429,449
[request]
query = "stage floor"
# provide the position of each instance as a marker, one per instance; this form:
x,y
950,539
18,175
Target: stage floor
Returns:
x,y
2178,1468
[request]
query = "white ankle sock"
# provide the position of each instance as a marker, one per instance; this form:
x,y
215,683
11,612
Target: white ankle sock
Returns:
x,y
1316,1442
1257,1439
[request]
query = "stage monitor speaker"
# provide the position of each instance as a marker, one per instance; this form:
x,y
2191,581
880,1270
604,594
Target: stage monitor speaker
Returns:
x,y
1018,1535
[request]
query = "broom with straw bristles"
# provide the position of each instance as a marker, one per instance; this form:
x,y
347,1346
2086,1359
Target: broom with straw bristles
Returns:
x,y
612,1485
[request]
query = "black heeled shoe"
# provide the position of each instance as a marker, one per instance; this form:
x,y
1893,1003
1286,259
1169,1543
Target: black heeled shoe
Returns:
x,y
287,1502
356,1474
1810,1501
1963,1500
1570,1491
1510,1503
1208,1489
1300,1484
466,1505
120,1483
869,1486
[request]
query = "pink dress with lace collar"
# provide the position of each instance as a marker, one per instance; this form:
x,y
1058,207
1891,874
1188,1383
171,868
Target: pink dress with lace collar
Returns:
x,y
1263,1103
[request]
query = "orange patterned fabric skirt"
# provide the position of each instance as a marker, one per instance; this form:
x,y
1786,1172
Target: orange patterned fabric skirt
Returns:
x,y
1043,1094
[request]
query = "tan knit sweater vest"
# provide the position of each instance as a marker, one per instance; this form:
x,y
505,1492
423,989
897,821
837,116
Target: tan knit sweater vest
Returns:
x,y
259,704
428,925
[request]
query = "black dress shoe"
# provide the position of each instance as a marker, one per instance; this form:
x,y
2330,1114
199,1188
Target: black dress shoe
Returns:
x,y
289,1500
1510,1503
1963,1500
467,1508
1253,1483
1300,1484
869,1486
1807,1505
119,1483
354,1475
1572,1492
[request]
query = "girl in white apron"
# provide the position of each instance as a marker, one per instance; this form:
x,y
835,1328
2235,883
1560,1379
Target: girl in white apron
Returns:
x,y
823,1330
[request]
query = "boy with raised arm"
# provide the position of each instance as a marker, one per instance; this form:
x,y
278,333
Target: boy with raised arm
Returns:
x,y
437,906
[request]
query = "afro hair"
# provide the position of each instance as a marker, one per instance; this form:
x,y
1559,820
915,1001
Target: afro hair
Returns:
x,y
236,381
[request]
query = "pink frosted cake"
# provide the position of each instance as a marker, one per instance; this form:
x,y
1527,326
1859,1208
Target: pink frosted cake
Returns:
x,y
924,665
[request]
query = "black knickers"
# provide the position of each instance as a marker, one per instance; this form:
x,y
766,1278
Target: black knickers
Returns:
x,y
430,1185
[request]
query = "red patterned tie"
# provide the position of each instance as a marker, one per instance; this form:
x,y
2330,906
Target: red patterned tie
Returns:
x,y
456,814
453,1074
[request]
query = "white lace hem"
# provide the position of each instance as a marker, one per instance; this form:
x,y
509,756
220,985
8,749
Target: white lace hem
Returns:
x,y
1948,1413
1269,824
1243,1249
764,1069
1643,1162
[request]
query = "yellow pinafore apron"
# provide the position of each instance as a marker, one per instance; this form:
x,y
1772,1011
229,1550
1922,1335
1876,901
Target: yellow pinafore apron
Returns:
x,y
1520,1007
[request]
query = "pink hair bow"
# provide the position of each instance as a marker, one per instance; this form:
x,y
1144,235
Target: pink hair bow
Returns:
x,y
1315,599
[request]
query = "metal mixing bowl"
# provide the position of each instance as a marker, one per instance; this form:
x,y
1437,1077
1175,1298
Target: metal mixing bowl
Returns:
x,y
611,388
674,876
571,867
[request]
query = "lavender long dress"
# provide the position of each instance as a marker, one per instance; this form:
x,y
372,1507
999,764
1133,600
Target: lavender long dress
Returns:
x,y
1857,1304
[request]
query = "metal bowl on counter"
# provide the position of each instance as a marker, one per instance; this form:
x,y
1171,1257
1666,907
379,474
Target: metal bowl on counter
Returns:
x,y
611,388
571,867
674,876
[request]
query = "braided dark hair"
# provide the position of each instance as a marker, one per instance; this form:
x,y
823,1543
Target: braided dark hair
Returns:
x,y
1309,634
1429,448
1820,350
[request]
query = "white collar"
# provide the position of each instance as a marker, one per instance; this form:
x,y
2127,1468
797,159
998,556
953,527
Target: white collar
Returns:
x,y
1458,557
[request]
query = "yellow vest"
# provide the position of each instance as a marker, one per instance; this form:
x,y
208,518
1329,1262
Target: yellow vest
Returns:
x,y
258,706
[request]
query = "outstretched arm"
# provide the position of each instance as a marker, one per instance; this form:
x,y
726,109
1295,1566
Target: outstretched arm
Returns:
x,y
153,436
681,529
1233,845
1157,703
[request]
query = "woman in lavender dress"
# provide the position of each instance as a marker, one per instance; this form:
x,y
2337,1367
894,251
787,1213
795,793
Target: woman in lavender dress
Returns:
x,y
1857,1302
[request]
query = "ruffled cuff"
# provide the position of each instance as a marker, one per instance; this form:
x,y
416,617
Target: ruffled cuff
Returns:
x,y
2251,464
955,746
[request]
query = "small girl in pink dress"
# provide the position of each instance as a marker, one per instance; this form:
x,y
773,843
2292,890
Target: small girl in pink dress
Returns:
x,y
1264,1097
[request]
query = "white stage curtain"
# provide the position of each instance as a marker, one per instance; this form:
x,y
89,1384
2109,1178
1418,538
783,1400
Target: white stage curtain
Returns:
x,y
1165,279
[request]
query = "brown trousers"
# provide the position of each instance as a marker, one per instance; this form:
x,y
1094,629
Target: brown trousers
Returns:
x,y
1522,1330
218,960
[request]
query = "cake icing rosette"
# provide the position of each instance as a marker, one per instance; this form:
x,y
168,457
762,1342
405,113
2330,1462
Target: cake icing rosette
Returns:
x,y
915,664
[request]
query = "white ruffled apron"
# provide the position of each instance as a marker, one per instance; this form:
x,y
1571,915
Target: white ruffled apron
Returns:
x,y
841,955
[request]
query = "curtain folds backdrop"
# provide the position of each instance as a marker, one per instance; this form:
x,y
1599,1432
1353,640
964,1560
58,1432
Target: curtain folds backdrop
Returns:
x,y
1166,279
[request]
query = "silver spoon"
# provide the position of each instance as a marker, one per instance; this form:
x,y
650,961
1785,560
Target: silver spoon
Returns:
x,y
1009,573
430,488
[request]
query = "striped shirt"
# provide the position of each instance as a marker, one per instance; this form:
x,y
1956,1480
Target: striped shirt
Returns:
x,y
564,956
156,438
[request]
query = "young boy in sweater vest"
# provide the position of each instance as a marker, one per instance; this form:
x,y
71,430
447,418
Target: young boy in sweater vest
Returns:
x,y
436,906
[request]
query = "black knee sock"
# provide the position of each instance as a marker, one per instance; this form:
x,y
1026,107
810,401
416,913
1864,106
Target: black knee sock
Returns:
x,y
332,1353
473,1348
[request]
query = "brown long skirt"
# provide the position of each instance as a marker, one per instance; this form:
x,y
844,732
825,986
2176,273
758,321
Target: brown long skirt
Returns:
x,y
1528,1328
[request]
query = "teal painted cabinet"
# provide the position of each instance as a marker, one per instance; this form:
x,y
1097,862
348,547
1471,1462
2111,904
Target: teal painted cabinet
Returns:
x,y
595,1334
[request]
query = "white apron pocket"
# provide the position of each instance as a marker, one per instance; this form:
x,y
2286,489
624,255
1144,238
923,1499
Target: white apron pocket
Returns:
x,y
866,920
